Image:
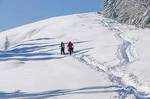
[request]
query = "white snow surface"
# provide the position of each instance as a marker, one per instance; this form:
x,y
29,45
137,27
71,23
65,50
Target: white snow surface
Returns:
x,y
110,60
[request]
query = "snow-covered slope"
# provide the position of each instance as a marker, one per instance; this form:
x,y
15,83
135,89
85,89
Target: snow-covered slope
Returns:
x,y
110,60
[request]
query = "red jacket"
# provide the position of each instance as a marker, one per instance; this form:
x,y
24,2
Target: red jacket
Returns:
x,y
70,45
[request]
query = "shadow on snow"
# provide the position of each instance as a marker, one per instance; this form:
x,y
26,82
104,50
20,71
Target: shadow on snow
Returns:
x,y
64,92
30,51
55,93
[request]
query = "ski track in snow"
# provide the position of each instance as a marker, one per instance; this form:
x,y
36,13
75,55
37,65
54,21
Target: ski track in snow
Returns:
x,y
126,56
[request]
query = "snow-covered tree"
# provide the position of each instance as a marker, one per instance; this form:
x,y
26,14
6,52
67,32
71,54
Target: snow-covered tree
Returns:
x,y
135,12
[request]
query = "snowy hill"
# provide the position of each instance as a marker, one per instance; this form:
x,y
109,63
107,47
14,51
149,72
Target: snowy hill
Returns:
x,y
110,60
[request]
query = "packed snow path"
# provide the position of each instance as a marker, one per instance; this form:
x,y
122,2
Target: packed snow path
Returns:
x,y
32,62
125,55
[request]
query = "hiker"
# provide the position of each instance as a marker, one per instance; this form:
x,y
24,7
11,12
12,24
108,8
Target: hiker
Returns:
x,y
70,47
62,48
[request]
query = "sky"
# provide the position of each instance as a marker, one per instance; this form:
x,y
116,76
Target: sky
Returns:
x,y
14,13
